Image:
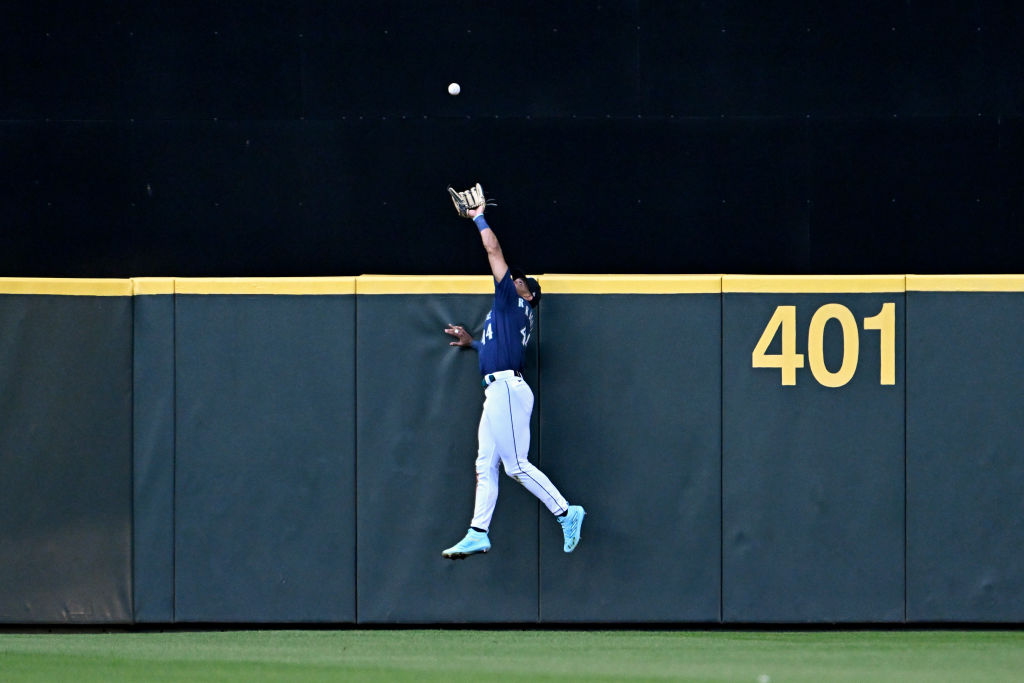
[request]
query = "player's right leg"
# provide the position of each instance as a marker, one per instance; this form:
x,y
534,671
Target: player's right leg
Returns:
x,y
476,539
486,479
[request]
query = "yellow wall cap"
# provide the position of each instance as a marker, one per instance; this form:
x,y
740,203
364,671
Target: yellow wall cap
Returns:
x,y
152,285
66,286
266,285
484,284
630,284
425,284
965,283
825,284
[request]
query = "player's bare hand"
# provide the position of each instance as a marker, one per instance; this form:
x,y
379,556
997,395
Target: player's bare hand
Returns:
x,y
462,338
478,211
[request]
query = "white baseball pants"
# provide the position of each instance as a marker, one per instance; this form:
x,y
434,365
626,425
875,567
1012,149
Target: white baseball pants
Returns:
x,y
504,436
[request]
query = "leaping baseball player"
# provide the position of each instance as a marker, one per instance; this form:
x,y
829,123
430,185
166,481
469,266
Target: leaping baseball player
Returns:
x,y
504,433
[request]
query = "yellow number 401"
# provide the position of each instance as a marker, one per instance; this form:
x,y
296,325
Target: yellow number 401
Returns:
x,y
789,360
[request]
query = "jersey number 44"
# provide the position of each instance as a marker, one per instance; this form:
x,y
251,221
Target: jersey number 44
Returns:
x,y
489,334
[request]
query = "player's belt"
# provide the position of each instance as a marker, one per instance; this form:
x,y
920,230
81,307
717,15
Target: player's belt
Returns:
x,y
504,374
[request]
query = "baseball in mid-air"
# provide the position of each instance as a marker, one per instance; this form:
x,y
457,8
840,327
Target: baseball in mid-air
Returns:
x,y
454,89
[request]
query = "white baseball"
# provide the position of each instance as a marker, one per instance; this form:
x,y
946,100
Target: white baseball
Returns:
x,y
454,89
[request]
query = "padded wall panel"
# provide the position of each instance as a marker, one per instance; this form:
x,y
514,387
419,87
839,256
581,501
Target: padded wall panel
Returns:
x,y
419,407
813,476
65,459
630,429
264,489
965,456
153,457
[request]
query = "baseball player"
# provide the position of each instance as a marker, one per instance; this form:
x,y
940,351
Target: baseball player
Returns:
x,y
504,432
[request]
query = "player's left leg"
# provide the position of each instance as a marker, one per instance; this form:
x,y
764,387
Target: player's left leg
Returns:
x,y
512,434
518,466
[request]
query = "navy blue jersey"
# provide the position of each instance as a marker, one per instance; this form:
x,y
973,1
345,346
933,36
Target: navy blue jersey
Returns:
x,y
506,331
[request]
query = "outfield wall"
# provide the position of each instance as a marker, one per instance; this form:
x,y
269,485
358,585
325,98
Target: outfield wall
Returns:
x,y
749,449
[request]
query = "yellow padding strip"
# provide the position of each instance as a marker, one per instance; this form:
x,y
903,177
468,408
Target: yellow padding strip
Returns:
x,y
965,283
266,285
483,284
425,284
152,285
630,284
825,284
66,286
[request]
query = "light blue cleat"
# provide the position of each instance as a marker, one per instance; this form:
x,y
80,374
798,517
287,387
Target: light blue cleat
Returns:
x,y
473,543
571,523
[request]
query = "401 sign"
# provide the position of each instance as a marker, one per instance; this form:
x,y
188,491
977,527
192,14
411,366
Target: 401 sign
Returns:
x,y
788,361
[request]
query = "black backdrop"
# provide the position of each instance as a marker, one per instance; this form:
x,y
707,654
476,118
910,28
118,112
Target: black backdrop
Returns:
x,y
317,138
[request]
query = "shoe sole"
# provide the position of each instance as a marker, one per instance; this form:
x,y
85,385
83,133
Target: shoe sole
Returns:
x,y
462,556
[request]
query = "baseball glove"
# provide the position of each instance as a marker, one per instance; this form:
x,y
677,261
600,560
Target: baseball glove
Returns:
x,y
469,199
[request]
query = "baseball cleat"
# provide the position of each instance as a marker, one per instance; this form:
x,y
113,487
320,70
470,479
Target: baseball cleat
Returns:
x,y
473,543
571,523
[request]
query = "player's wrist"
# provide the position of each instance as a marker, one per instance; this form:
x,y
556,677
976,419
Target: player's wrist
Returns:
x,y
481,222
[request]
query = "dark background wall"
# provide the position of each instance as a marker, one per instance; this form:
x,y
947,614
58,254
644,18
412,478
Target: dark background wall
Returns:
x,y
312,138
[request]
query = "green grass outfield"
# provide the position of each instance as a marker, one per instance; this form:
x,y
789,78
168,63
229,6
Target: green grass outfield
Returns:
x,y
506,655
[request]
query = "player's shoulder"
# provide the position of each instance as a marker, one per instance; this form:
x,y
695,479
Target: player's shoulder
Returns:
x,y
505,289
505,281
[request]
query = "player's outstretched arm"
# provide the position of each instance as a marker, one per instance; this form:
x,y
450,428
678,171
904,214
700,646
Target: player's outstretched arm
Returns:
x,y
494,255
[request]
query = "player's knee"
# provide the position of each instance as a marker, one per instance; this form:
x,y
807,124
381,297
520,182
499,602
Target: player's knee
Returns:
x,y
486,472
515,473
